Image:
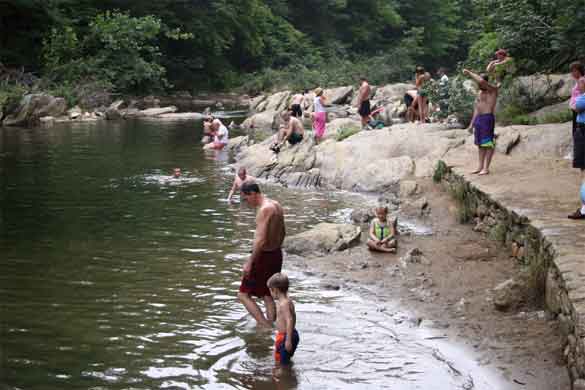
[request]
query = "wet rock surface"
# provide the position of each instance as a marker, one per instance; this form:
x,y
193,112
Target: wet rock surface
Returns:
x,y
323,238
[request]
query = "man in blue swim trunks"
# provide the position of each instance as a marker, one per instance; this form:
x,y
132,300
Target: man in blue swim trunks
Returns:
x,y
484,120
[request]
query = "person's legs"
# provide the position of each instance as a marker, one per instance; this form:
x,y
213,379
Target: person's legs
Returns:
x,y
420,104
253,309
270,308
489,153
481,158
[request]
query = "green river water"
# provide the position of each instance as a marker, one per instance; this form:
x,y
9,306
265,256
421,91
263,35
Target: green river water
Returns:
x,y
113,275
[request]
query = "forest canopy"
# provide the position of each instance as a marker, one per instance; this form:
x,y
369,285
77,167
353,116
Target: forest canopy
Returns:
x,y
138,46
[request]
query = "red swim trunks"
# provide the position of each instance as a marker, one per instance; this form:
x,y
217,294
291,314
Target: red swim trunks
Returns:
x,y
267,265
281,355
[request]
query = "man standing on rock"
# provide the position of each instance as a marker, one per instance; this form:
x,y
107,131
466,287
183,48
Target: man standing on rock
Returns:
x,y
484,120
266,257
363,102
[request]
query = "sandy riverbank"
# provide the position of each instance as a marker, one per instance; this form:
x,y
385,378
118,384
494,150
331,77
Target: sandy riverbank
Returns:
x,y
452,296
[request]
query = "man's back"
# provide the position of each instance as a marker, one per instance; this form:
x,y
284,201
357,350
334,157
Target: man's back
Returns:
x,y
487,100
274,220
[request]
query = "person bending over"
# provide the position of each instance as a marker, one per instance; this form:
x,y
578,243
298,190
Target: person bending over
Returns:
x,y
239,180
291,131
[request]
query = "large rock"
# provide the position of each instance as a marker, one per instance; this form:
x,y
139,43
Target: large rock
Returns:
x,y
237,144
266,120
336,125
510,294
32,107
255,102
369,161
276,102
113,111
540,89
552,140
149,112
323,238
392,92
545,114
340,95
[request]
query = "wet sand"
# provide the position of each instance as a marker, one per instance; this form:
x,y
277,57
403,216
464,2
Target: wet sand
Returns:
x,y
452,296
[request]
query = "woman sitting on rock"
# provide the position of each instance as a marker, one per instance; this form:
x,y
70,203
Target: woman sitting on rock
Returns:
x,y
382,234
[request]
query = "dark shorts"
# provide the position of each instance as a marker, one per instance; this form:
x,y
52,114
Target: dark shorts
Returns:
x,y
408,100
484,126
295,138
297,112
281,355
579,146
267,265
365,109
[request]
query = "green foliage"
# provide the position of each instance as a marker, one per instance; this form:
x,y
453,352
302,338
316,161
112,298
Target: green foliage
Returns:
x,y
10,95
482,51
461,100
346,132
441,169
119,50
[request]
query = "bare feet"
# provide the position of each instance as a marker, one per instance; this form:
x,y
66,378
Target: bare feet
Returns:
x,y
484,172
477,171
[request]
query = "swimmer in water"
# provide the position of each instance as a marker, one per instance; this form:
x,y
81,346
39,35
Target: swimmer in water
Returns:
x,y
239,180
177,173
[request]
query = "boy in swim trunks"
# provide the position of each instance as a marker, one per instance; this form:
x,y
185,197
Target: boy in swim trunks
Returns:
x,y
287,337
363,102
297,104
382,234
484,120
579,146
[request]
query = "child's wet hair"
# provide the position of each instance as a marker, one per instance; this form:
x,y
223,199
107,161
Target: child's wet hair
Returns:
x,y
278,281
381,210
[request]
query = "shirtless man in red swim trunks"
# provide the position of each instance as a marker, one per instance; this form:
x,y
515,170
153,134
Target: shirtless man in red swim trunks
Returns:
x,y
266,257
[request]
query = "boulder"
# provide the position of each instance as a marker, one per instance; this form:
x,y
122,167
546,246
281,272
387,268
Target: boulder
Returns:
x,y
322,239
237,144
255,102
510,294
392,92
340,95
47,121
276,102
150,112
34,106
336,125
552,140
507,139
113,111
414,256
545,114
266,120
408,188
539,90
178,116
74,113
369,161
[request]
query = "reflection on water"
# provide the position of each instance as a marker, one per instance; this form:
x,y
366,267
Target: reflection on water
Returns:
x,y
115,274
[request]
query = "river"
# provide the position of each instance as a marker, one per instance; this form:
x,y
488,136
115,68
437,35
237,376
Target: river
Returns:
x,y
114,275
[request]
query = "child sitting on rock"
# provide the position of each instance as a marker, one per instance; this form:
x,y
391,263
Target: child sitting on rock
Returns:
x,y
382,237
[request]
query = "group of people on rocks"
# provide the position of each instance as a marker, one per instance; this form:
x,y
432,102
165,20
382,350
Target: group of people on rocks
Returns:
x,y
262,275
